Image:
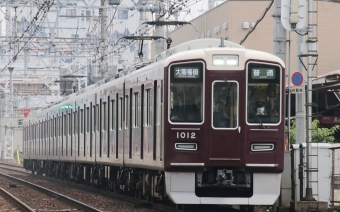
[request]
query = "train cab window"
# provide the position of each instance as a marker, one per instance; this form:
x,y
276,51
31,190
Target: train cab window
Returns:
x,y
186,99
263,93
225,104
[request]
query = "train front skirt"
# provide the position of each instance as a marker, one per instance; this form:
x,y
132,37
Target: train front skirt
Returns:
x,y
180,187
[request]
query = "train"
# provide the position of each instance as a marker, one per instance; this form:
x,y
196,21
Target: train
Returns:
x,y
201,123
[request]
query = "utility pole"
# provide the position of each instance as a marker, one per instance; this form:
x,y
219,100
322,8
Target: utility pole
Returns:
x,y
279,45
300,98
8,144
293,18
103,41
310,50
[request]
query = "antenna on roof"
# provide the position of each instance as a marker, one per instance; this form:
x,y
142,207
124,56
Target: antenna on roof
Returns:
x,y
222,42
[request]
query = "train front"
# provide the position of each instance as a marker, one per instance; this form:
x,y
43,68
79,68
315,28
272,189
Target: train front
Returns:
x,y
224,126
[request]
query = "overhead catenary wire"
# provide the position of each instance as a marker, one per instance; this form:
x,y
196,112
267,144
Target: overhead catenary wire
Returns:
x,y
115,49
257,22
45,7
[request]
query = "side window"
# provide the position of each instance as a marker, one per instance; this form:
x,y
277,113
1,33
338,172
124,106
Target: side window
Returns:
x,y
70,121
113,115
105,117
97,121
136,119
126,111
148,107
76,123
65,126
120,118
81,121
225,104
88,118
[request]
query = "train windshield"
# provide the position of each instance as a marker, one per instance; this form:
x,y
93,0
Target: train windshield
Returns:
x,y
263,91
186,93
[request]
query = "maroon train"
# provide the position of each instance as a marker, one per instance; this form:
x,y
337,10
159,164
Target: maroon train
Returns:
x,y
198,126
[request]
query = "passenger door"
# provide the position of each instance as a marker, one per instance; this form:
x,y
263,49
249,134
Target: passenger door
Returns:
x,y
224,135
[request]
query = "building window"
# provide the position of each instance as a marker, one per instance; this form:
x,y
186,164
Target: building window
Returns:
x,y
71,12
122,14
20,122
88,15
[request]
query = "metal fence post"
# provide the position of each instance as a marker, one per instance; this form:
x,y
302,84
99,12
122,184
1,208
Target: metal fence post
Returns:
x,y
332,177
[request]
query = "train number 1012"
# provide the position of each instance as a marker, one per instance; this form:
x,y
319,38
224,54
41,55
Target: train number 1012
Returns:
x,y
187,135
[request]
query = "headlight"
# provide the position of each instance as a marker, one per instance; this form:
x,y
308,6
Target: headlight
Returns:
x,y
257,147
186,146
225,60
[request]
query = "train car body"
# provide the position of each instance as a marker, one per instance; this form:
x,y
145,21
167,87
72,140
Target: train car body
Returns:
x,y
202,124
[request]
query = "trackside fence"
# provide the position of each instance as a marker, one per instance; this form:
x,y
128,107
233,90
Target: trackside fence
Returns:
x,y
335,176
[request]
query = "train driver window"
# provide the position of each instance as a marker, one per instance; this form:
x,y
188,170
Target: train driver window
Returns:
x,y
225,104
186,93
263,90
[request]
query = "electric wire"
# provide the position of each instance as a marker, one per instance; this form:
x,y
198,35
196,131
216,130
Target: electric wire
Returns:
x,y
117,49
257,22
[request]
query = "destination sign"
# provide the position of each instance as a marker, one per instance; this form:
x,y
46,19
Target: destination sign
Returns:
x,y
263,73
187,72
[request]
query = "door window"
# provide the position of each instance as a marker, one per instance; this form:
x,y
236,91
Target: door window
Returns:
x,y
225,104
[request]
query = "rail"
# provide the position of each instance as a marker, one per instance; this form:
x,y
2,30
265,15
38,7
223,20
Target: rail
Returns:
x,y
21,205
64,198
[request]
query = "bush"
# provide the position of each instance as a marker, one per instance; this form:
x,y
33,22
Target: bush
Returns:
x,y
319,135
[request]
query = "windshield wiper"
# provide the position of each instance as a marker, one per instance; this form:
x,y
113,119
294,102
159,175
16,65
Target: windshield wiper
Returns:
x,y
257,118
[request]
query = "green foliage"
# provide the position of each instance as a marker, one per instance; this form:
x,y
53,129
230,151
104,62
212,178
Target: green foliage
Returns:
x,y
319,135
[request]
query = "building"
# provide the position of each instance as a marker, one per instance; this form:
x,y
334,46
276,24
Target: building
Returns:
x,y
58,48
233,19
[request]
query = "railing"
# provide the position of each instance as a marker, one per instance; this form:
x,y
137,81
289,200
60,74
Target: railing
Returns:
x,y
335,176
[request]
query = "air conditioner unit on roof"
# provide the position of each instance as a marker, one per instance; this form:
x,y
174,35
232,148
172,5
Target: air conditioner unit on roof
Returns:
x,y
114,2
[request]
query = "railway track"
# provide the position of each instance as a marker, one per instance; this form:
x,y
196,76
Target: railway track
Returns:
x,y
34,197
137,204
11,203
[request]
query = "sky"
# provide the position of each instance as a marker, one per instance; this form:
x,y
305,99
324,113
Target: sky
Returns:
x,y
196,9
193,11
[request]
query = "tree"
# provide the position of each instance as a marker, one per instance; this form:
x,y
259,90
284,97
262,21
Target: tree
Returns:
x,y
319,135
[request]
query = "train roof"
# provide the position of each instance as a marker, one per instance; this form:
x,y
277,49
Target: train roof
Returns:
x,y
197,44
199,48
195,49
